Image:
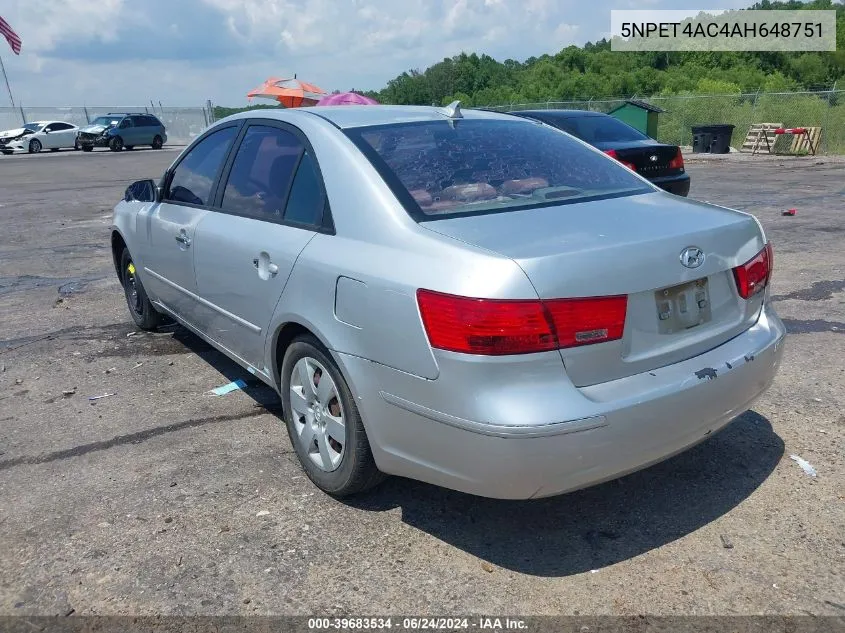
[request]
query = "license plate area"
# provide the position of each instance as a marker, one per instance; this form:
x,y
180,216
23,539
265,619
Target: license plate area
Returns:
x,y
683,307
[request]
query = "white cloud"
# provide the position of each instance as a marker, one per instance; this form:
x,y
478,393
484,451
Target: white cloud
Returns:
x,y
185,51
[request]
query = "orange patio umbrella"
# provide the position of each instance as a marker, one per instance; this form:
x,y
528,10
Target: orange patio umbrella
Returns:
x,y
291,93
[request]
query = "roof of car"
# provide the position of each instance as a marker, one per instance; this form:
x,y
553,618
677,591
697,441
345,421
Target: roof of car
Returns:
x,y
360,116
559,113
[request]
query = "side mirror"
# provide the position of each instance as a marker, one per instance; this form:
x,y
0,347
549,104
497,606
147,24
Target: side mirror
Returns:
x,y
142,191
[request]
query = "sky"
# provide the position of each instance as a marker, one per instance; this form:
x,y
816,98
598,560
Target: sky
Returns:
x,y
183,52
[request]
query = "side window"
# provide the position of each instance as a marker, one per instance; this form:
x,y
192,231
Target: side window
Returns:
x,y
127,122
194,176
306,201
138,121
60,127
152,121
261,173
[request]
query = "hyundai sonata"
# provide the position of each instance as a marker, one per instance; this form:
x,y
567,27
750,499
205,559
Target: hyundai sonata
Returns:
x,y
471,299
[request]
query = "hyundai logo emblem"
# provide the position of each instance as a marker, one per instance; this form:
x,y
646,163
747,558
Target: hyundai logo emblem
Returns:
x,y
653,158
692,257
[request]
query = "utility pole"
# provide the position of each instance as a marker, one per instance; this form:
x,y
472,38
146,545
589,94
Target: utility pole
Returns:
x,y
11,98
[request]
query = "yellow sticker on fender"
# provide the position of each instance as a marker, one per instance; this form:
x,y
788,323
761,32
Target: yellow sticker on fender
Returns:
x,y
131,268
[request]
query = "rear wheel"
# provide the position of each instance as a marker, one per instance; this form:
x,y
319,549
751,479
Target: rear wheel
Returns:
x,y
116,144
143,313
34,146
76,145
87,148
157,142
323,422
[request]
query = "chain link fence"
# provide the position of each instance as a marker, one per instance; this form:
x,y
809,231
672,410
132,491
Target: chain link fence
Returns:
x,y
825,109
182,124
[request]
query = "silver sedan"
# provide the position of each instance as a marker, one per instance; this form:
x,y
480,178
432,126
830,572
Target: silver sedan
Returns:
x,y
470,299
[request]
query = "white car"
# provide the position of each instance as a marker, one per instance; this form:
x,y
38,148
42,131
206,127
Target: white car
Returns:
x,y
38,135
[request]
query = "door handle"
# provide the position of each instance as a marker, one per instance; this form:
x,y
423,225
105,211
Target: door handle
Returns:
x,y
271,269
183,239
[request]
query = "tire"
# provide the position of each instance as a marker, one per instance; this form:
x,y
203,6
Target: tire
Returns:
x,y
34,146
76,147
158,143
87,148
349,470
54,149
116,144
140,308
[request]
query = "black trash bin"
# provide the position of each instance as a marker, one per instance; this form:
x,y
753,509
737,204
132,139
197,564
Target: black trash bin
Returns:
x,y
712,139
701,141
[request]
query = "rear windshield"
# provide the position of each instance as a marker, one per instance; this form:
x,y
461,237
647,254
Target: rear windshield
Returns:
x,y
441,169
597,129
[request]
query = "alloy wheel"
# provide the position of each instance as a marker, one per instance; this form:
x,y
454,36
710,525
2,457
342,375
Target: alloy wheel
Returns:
x,y
318,414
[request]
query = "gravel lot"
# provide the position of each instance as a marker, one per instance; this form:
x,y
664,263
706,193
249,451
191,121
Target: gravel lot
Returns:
x,y
160,499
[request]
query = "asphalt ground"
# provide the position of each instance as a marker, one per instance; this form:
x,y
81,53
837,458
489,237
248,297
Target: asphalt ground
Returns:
x,y
160,499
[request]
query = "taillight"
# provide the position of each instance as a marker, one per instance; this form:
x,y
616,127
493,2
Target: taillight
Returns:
x,y
585,321
612,153
754,274
678,161
498,327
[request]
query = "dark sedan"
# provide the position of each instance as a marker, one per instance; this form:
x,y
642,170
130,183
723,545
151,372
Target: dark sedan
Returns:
x,y
660,163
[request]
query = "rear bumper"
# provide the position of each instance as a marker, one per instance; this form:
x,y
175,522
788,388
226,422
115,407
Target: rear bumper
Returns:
x,y
679,185
617,427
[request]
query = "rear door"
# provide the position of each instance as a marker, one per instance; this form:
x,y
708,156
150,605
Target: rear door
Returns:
x,y
270,207
60,135
67,134
169,227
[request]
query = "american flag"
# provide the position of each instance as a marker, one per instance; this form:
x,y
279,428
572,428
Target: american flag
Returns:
x,y
11,37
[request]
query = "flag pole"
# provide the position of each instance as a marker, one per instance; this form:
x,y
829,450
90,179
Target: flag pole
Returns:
x,y
8,87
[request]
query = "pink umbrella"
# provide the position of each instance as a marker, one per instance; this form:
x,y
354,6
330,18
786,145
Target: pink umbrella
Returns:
x,y
346,98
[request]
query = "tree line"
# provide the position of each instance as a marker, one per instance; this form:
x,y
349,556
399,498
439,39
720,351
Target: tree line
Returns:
x,y
593,71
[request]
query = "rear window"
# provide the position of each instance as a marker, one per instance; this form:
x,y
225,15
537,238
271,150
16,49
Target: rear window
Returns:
x,y
449,168
597,129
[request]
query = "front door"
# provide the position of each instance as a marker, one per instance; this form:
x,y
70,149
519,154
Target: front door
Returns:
x,y
169,227
271,207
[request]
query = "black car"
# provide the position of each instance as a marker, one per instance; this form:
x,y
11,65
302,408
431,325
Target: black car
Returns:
x,y
660,163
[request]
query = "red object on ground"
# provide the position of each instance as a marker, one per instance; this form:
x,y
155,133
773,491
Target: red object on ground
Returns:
x,y
790,212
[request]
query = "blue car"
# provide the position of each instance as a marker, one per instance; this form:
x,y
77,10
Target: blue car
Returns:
x,y
122,130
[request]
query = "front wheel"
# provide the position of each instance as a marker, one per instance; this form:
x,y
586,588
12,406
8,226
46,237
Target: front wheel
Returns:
x,y
34,146
87,148
157,142
323,422
143,313
116,144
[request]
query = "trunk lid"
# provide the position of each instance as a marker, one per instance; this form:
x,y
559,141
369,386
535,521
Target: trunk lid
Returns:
x,y
650,158
630,246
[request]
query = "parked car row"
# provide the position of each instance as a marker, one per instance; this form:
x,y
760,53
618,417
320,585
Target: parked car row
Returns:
x,y
116,131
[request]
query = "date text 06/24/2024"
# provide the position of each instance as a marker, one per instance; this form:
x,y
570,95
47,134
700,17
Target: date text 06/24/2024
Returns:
x,y
417,623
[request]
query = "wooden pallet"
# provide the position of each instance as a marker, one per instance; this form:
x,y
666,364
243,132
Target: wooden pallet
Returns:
x,y
801,146
758,134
